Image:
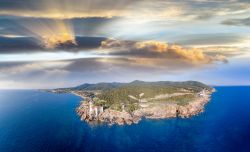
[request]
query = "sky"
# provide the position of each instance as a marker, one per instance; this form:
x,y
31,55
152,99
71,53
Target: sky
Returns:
x,y
63,43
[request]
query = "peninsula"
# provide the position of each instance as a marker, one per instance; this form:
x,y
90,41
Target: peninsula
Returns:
x,y
128,103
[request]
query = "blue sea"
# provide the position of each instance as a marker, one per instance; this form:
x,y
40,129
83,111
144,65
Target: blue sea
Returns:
x,y
34,121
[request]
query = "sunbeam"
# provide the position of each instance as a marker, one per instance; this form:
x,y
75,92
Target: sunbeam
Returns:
x,y
50,22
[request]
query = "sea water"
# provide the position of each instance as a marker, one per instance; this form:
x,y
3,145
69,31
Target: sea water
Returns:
x,y
35,121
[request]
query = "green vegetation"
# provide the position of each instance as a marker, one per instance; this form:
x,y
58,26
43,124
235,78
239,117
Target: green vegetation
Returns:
x,y
189,85
115,95
132,107
183,99
99,102
116,106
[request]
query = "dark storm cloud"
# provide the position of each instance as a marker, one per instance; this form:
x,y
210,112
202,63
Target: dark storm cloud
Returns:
x,y
237,22
11,45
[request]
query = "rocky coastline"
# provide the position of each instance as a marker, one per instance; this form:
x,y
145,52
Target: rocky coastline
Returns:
x,y
158,111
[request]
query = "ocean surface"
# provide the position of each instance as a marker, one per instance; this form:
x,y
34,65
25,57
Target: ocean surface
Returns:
x,y
33,121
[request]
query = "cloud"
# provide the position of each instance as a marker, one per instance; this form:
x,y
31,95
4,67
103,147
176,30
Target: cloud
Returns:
x,y
68,73
59,21
14,68
101,46
17,44
207,9
66,9
214,39
63,9
237,22
228,51
160,50
31,74
77,71
52,33
27,25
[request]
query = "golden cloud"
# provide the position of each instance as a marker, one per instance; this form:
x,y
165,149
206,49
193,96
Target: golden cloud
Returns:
x,y
158,9
67,9
60,14
160,50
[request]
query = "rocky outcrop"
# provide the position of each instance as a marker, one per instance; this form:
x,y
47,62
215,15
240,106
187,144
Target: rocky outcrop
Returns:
x,y
155,111
117,117
107,116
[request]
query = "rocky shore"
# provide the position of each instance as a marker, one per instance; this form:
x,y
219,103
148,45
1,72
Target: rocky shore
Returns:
x,y
151,111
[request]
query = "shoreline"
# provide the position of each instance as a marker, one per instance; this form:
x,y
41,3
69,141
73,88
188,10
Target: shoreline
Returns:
x,y
110,116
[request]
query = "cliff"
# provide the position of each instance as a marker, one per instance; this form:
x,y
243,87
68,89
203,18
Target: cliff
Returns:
x,y
128,104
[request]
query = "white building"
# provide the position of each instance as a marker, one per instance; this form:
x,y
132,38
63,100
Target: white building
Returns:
x,y
91,110
94,110
202,93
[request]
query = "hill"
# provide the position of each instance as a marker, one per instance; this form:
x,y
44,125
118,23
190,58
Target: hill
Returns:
x,y
195,85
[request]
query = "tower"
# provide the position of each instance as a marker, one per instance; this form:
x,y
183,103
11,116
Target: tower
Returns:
x,y
90,108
